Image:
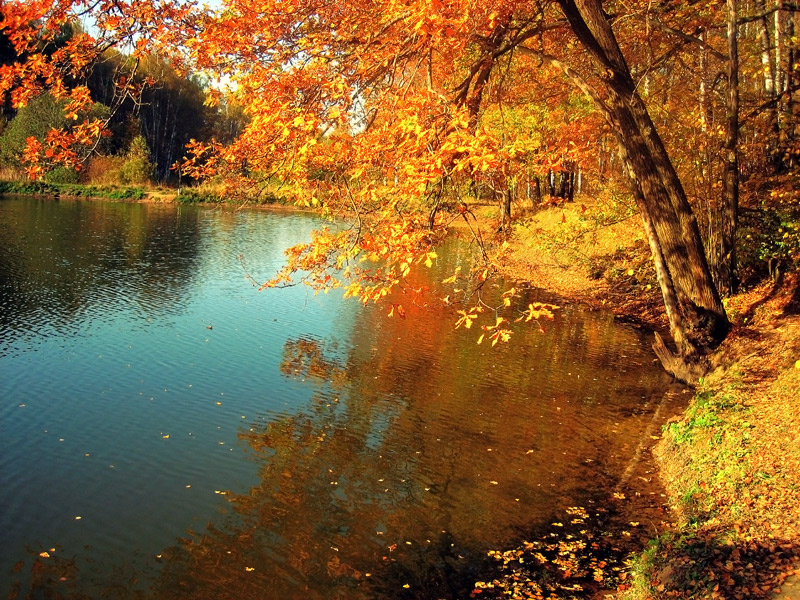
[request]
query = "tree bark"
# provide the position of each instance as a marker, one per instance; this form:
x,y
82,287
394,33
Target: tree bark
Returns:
x,y
698,314
768,67
725,261
505,210
792,81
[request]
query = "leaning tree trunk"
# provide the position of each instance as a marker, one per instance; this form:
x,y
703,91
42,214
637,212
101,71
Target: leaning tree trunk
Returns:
x,y
697,320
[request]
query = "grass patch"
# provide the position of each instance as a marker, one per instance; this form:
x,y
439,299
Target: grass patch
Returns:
x,y
75,190
192,196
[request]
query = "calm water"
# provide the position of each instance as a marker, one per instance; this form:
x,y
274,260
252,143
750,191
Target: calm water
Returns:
x,y
167,431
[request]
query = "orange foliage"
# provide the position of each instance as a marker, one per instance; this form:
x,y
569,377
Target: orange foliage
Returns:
x,y
381,114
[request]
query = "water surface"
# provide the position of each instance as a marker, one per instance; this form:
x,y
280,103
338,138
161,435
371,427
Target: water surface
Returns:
x,y
166,430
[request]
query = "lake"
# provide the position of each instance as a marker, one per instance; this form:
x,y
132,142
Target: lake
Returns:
x,y
168,431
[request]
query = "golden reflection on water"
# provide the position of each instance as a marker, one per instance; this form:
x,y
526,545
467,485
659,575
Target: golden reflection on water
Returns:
x,y
405,470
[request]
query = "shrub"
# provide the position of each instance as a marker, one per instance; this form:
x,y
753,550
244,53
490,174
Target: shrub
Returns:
x,y
105,170
137,169
62,175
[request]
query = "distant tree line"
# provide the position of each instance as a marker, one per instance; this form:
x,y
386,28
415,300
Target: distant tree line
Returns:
x,y
151,118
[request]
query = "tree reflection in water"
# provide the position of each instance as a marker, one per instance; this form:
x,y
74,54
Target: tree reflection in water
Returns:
x,y
339,513
415,455
397,480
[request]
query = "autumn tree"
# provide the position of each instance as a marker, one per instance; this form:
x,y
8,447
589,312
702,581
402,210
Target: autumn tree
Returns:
x,y
421,76
384,114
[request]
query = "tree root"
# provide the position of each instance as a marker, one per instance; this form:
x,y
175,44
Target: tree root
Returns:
x,y
685,369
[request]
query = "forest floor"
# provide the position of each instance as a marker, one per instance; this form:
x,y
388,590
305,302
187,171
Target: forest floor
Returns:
x,y
728,460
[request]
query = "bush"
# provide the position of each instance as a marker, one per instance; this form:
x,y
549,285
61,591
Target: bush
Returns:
x,y
62,175
137,169
33,120
105,170
769,241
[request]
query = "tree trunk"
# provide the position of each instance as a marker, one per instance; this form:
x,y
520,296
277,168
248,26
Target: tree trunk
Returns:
x,y
768,67
536,191
699,315
505,210
725,261
792,81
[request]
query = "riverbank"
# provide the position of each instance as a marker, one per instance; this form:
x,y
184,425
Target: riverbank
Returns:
x,y
729,461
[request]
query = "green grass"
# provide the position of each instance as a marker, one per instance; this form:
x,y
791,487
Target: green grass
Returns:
x,y
41,188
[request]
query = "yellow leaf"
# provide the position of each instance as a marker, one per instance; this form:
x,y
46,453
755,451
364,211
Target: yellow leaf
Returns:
x,y
453,278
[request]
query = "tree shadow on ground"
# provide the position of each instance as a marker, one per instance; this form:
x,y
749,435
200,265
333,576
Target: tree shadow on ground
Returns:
x,y
785,291
792,306
713,565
